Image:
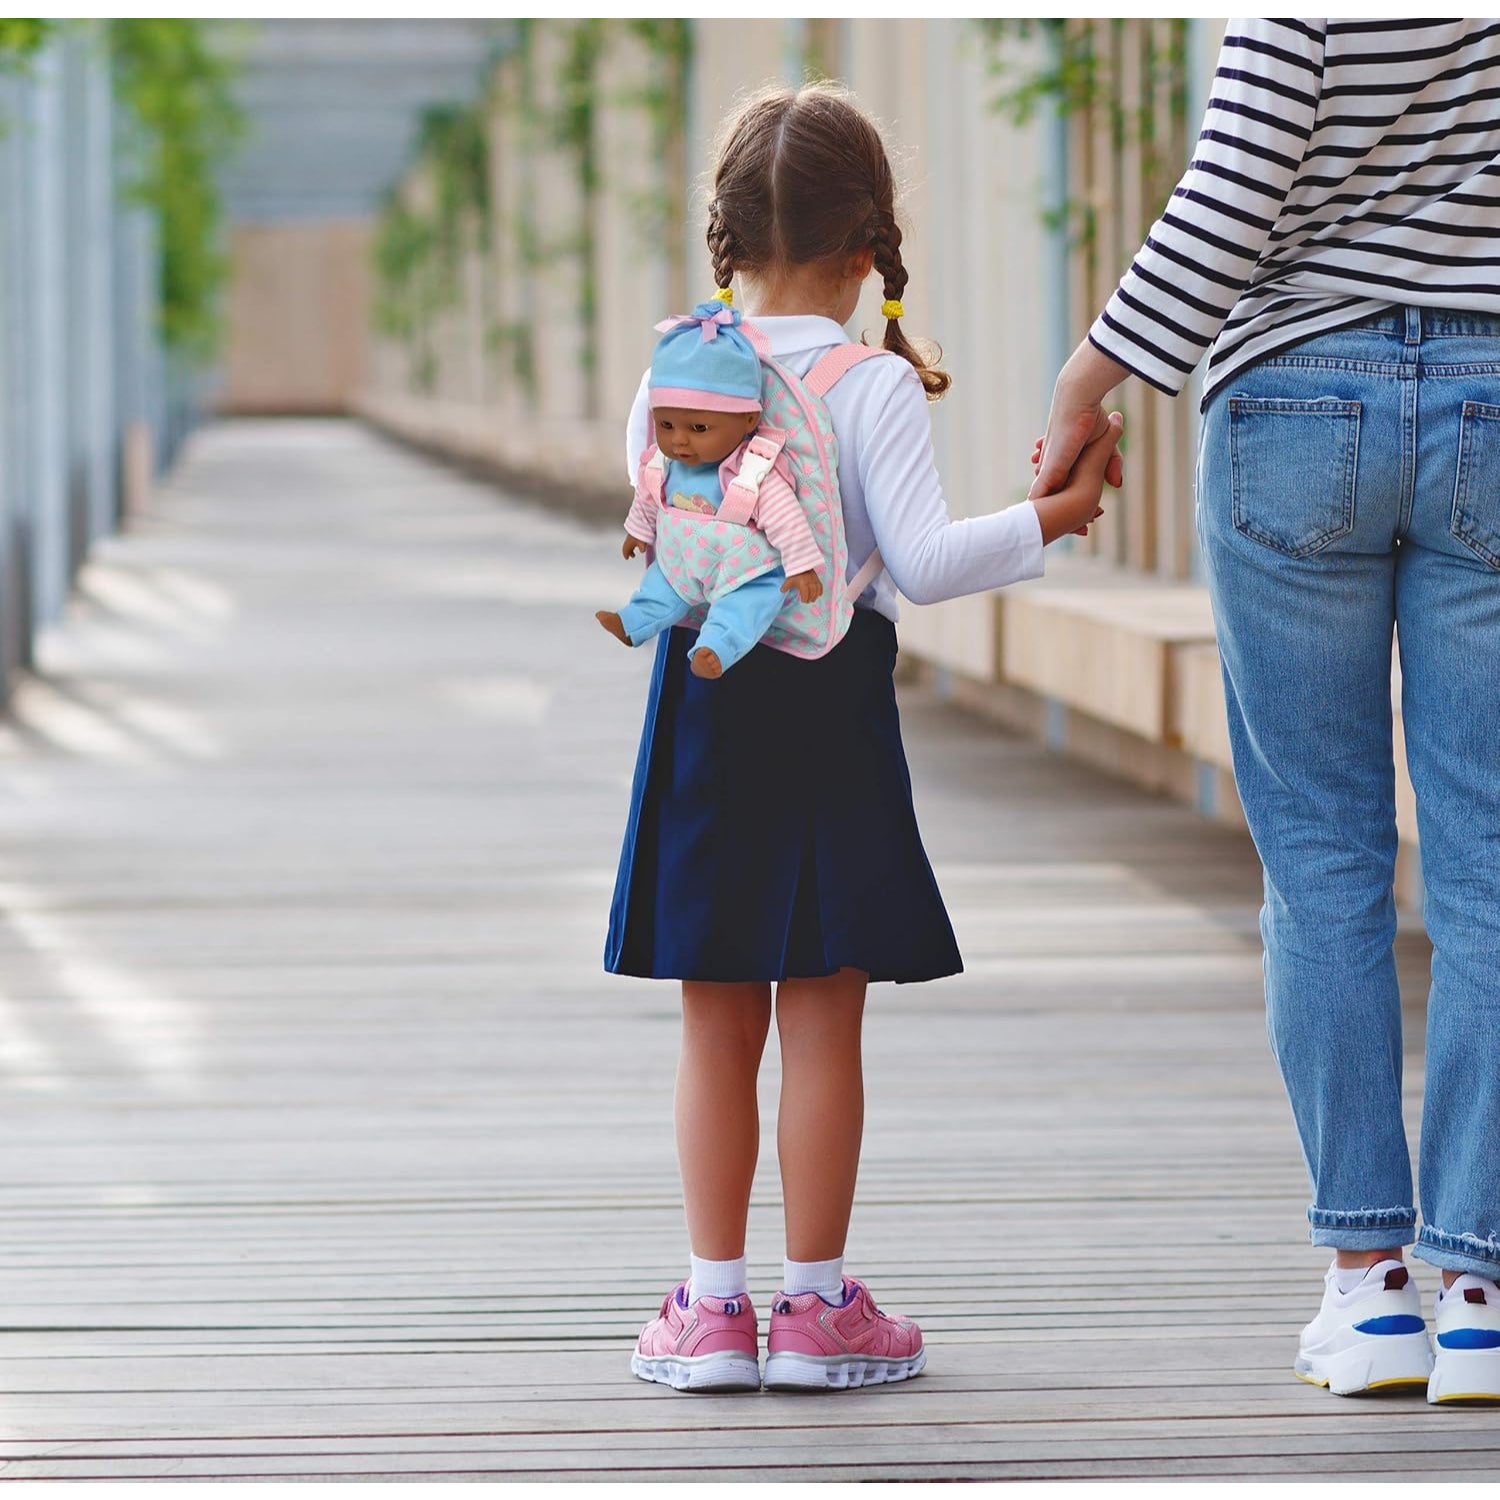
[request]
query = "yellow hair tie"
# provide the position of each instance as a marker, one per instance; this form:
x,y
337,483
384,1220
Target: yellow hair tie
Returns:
x,y
725,295
892,309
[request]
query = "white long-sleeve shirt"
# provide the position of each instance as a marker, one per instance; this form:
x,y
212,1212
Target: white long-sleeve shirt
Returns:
x,y
1344,166
888,482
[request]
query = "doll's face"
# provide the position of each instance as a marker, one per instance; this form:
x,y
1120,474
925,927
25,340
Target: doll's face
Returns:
x,y
701,437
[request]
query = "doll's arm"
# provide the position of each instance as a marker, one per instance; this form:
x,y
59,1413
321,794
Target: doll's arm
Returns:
x,y
784,522
641,522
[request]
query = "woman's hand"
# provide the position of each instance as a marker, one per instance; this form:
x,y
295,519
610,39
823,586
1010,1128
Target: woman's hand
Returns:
x,y
1077,418
807,585
1071,508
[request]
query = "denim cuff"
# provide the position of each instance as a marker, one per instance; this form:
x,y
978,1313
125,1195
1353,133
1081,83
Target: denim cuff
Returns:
x,y
1458,1252
1363,1228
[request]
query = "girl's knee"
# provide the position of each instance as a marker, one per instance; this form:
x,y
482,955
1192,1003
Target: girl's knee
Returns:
x,y
830,1009
729,1015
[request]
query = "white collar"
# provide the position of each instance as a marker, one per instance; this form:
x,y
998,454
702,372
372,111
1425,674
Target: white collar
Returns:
x,y
792,334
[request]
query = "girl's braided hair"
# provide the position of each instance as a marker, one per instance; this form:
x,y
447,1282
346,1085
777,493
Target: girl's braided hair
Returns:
x,y
803,176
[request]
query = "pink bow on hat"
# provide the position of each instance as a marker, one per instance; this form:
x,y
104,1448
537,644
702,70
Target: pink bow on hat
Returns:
x,y
709,323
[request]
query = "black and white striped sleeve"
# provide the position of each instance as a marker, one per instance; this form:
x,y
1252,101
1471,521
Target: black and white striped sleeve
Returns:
x,y
1200,254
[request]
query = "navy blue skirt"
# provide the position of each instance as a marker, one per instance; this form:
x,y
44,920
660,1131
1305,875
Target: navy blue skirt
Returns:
x,y
771,831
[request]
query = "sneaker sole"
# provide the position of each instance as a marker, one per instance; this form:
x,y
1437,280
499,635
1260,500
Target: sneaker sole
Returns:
x,y
837,1372
703,1372
1465,1375
1377,1363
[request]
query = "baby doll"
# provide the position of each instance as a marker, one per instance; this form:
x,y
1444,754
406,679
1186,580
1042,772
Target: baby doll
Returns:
x,y
706,481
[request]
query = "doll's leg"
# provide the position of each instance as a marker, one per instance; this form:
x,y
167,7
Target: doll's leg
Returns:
x,y
655,606
821,1120
724,1030
737,620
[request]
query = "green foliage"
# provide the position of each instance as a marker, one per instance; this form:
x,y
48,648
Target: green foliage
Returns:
x,y
180,91
1070,76
21,40
551,124
1076,77
664,100
573,129
404,242
455,143
573,119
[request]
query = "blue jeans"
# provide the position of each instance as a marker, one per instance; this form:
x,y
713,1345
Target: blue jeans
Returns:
x,y
1348,487
735,622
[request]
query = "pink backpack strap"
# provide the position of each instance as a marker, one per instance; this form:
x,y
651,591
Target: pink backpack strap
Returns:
x,y
820,380
758,340
653,473
742,492
835,365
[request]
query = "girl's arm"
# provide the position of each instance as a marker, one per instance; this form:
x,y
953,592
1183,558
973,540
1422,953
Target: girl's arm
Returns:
x,y
1205,248
638,430
929,555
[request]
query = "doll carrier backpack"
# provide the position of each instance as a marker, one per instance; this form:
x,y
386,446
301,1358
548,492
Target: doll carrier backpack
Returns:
x,y
725,550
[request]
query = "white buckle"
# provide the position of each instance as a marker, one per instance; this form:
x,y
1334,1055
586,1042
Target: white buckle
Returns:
x,y
753,470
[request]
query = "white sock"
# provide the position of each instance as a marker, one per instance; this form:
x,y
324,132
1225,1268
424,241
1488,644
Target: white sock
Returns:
x,y
825,1277
717,1278
1346,1278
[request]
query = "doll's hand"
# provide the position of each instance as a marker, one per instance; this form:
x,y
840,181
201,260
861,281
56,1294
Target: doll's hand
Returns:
x,y
633,544
808,586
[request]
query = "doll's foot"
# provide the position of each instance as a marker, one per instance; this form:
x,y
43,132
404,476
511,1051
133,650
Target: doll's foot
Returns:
x,y
611,622
706,663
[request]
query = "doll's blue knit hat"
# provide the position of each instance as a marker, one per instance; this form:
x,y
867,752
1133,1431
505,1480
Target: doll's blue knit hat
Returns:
x,y
705,363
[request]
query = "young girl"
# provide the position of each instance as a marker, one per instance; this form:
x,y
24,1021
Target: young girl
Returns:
x,y
771,837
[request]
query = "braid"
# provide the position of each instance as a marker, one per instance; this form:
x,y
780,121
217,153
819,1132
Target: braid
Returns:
x,y
720,246
887,246
886,243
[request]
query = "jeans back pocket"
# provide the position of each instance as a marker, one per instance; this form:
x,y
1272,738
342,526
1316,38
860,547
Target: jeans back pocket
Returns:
x,y
1292,466
1476,496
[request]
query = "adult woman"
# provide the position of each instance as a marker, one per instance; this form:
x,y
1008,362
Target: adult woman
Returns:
x,y
1334,240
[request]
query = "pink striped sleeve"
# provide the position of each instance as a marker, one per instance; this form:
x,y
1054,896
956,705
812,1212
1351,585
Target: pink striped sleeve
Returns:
x,y
784,522
641,522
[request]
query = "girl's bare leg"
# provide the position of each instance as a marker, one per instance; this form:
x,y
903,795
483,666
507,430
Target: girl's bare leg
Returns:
x,y
821,1120
724,1030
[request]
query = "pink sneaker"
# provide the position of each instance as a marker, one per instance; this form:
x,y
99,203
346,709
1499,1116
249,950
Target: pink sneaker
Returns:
x,y
708,1345
815,1346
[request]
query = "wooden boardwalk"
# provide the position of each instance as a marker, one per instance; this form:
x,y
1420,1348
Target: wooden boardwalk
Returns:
x,y
330,1151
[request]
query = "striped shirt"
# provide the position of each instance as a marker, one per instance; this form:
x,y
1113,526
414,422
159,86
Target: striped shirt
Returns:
x,y
1344,167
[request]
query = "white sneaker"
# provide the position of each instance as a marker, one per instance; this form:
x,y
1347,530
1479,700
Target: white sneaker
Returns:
x,y
1468,1342
1367,1339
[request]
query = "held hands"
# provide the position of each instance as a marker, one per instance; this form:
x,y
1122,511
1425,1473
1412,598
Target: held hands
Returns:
x,y
808,586
1077,416
633,544
1071,507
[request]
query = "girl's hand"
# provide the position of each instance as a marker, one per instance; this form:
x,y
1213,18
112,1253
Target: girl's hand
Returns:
x,y
1071,508
633,544
808,586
